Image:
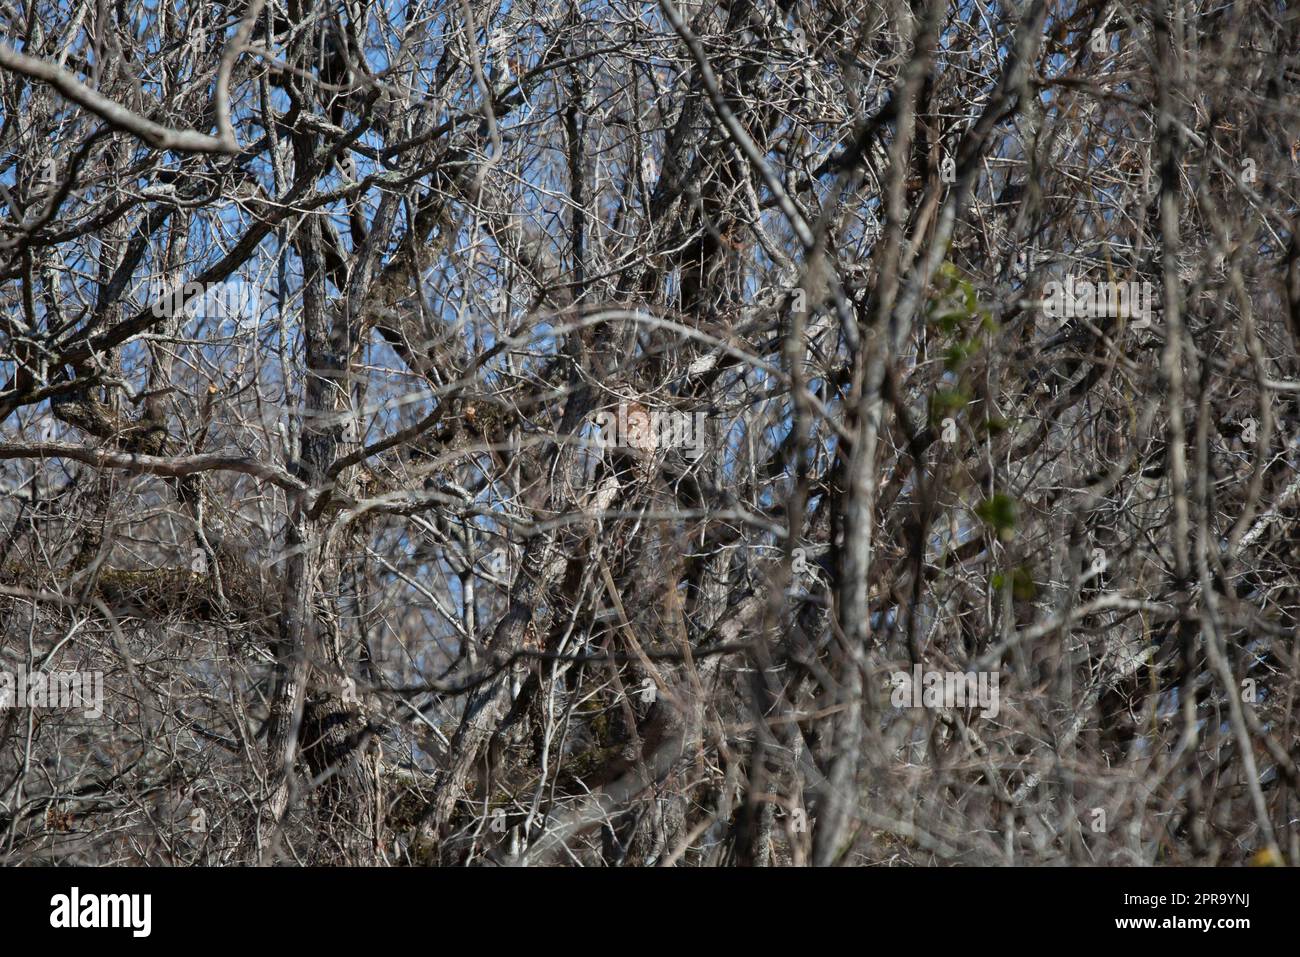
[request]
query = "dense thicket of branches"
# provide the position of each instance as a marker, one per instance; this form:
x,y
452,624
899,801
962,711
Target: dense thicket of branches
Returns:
x,y
364,588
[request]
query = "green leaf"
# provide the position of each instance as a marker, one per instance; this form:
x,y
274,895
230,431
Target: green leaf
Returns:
x,y
1023,586
955,356
999,511
945,402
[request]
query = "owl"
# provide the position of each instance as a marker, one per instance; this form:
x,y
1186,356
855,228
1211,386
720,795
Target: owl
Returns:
x,y
639,428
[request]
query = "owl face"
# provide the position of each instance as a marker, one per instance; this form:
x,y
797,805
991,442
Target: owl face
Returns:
x,y
640,432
